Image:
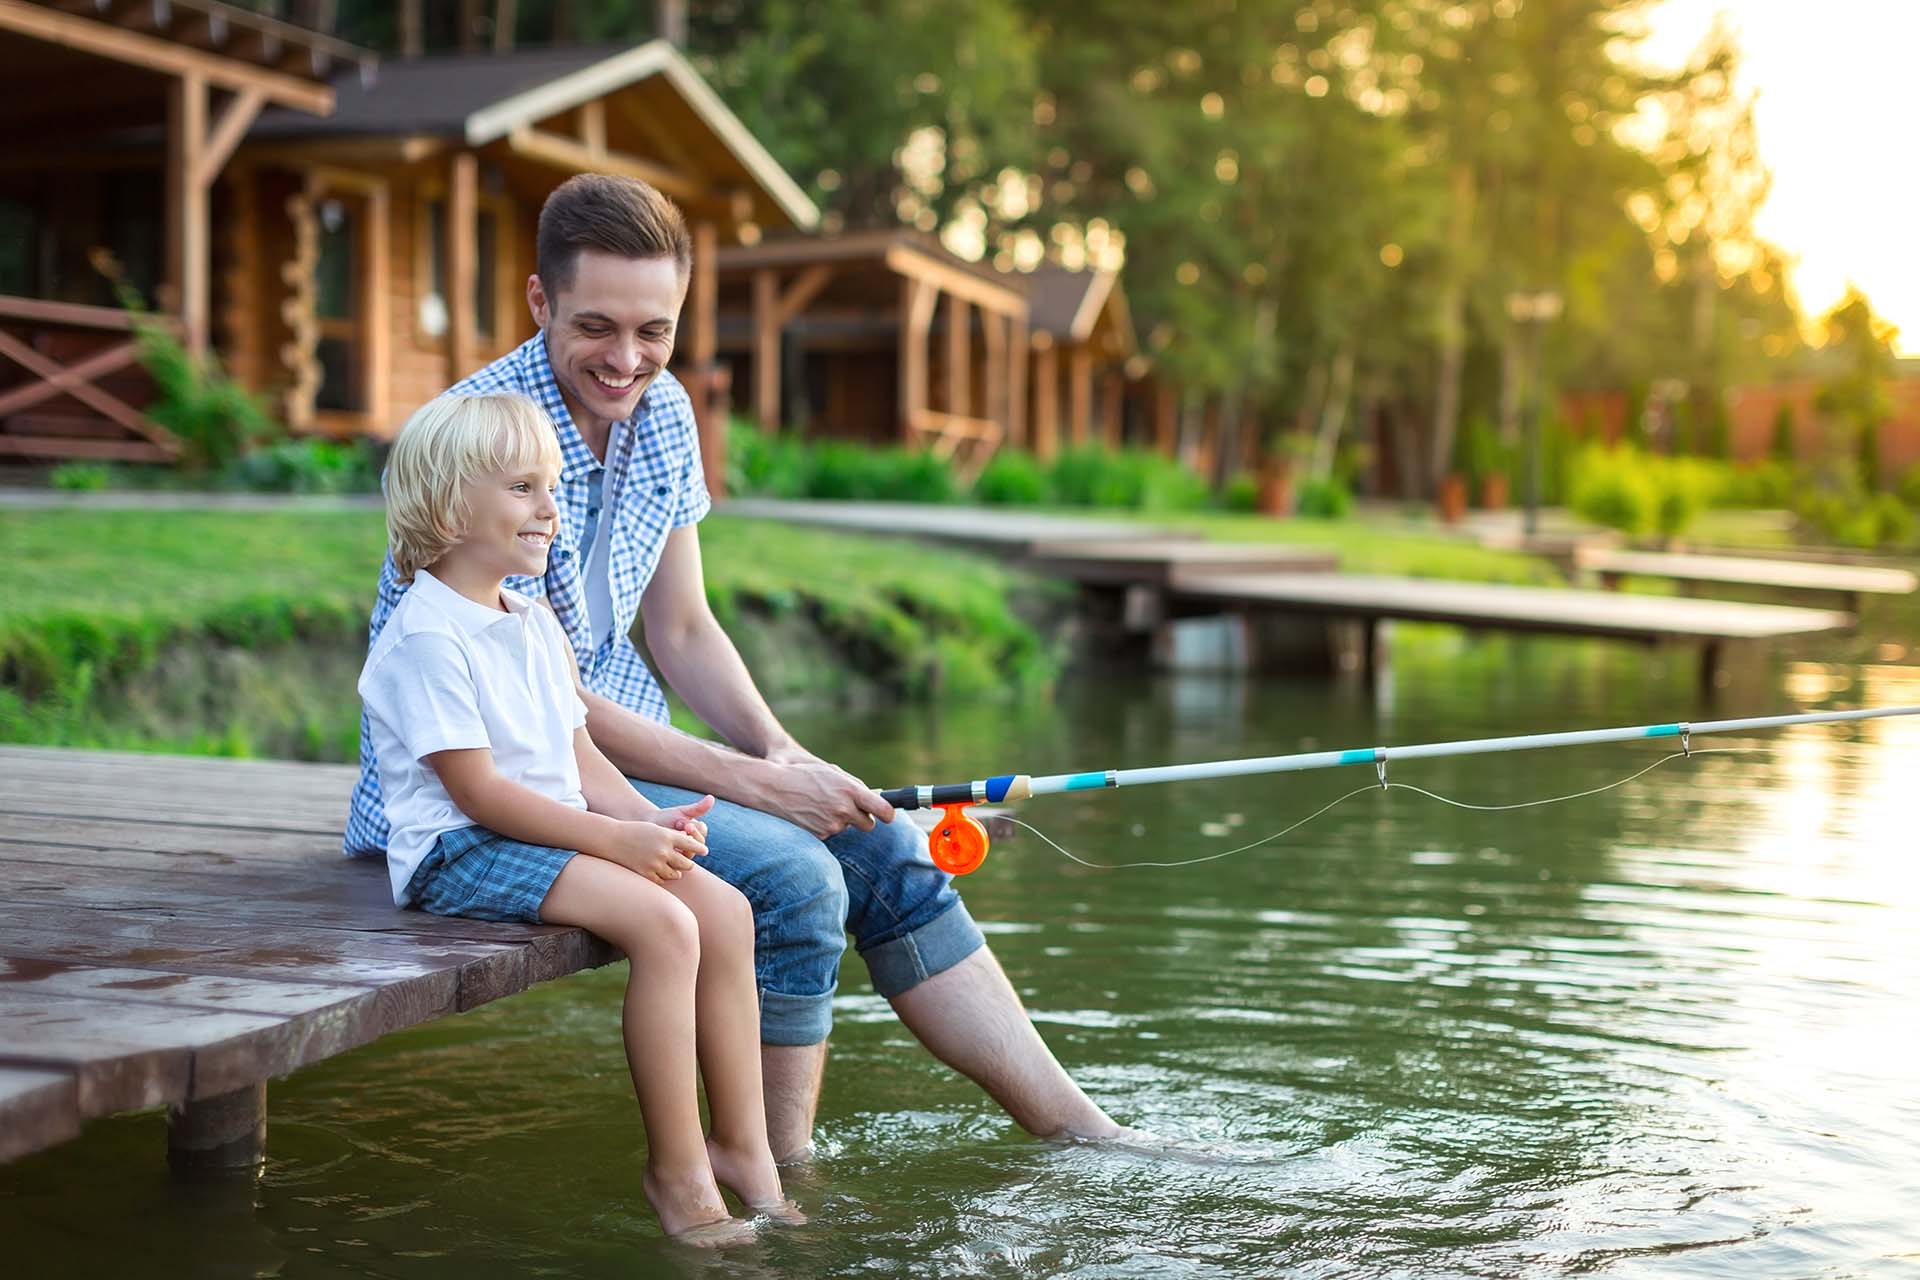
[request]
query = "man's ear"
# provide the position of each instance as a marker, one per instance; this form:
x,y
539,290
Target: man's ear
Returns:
x,y
537,301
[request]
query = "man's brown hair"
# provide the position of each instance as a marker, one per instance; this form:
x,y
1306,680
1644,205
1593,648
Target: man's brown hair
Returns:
x,y
621,216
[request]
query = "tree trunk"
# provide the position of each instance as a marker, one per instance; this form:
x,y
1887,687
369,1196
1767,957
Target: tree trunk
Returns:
x,y
1334,416
1453,325
1512,386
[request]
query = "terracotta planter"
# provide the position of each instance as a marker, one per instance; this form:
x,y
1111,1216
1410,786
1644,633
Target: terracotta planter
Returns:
x,y
1276,488
1493,491
1452,498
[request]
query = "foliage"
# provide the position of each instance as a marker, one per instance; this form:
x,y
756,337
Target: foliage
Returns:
x,y
1908,486
1783,447
1133,479
1876,521
856,472
1242,493
1323,499
1644,494
81,477
309,465
1762,484
215,417
1013,478
1483,453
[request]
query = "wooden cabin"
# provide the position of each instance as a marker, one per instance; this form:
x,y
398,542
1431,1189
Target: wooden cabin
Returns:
x,y
885,336
1089,378
119,121
882,336
379,255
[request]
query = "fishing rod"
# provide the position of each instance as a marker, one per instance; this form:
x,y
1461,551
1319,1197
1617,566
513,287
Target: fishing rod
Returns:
x,y
958,843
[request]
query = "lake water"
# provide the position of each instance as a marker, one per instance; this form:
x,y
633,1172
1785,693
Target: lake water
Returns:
x,y
1665,1030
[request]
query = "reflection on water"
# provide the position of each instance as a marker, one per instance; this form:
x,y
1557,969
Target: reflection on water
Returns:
x,y
1663,1030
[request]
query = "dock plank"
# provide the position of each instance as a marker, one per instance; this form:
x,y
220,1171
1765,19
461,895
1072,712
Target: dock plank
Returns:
x,y
1546,609
1751,571
989,528
38,1108
1154,562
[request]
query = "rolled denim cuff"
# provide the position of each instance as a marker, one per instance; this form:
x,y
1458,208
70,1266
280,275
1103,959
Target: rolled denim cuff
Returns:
x,y
794,1020
904,962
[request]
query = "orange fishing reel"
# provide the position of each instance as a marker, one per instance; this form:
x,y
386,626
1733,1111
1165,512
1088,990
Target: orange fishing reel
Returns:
x,y
958,842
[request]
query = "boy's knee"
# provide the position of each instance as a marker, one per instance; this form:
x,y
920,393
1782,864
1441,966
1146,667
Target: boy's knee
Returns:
x,y
662,931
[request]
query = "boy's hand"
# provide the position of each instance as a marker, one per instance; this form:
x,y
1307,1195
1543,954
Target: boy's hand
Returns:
x,y
660,853
685,817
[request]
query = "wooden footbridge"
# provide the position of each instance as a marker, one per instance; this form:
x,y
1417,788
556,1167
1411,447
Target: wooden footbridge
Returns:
x,y
1144,579
177,931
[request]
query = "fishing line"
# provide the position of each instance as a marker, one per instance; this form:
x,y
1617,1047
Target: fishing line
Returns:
x,y
1384,786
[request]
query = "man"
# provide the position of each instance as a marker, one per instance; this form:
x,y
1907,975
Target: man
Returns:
x,y
612,262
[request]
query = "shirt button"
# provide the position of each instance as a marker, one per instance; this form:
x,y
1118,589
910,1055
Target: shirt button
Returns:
x,y
663,491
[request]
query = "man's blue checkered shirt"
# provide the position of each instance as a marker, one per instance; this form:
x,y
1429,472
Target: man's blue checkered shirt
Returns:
x,y
653,485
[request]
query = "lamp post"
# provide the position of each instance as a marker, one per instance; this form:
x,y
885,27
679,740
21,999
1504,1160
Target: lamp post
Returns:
x,y
1532,311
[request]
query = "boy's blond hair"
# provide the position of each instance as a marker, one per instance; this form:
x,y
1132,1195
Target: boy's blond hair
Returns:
x,y
445,445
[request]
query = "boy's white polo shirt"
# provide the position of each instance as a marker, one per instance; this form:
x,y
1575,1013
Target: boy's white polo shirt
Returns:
x,y
449,673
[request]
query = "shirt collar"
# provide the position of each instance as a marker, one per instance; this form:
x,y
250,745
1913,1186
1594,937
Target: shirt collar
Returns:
x,y
576,460
470,616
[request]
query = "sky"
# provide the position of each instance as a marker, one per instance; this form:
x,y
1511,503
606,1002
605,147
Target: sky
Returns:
x,y
1837,118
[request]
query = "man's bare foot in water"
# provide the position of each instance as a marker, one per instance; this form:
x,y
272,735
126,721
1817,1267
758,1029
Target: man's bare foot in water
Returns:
x,y
691,1210
751,1175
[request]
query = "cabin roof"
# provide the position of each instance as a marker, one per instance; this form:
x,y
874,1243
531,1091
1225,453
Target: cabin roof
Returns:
x,y
482,97
1068,304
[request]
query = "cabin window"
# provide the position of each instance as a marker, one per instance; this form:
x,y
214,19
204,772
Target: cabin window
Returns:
x,y
336,280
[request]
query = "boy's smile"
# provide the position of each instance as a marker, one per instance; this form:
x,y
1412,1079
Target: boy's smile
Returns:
x,y
511,520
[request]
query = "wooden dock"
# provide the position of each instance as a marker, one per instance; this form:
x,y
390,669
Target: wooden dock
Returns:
x,y
180,930
1848,582
1145,583
1709,624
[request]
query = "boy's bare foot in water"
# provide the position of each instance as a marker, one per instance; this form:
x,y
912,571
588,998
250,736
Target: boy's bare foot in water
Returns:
x,y
691,1210
751,1175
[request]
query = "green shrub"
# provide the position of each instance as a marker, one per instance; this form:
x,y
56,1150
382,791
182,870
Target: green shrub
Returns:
x,y
1782,448
1323,499
1483,453
1012,479
81,477
215,417
1613,488
1764,484
309,465
761,465
1908,486
1133,479
1854,519
857,472
1242,492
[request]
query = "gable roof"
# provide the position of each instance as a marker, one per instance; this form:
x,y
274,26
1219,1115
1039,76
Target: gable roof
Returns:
x,y
481,98
1067,304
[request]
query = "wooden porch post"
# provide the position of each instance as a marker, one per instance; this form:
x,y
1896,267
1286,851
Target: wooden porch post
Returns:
x,y
766,349
1113,395
1018,354
994,394
463,256
708,411
959,356
1080,393
917,300
1166,419
188,259
1046,401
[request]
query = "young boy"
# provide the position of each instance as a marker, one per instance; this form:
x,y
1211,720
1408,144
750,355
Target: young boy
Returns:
x,y
502,808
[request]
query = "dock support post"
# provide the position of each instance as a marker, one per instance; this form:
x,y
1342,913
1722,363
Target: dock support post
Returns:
x,y
226,1133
